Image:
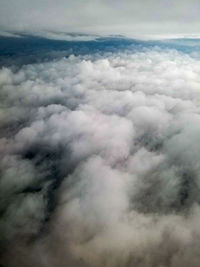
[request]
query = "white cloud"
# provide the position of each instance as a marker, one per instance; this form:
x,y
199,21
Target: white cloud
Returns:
x,y
111,142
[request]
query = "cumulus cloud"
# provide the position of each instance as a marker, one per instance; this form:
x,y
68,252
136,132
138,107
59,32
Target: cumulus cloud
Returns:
x,y
100,161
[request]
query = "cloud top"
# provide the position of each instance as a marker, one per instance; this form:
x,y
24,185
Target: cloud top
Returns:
x,y
100,160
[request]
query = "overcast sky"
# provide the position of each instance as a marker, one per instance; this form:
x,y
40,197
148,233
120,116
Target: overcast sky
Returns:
x,y
127,17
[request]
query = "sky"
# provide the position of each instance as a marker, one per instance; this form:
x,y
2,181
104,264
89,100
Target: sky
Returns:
x,y
149,18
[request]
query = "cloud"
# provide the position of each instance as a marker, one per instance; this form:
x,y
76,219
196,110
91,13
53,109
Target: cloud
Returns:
x,y
100,160
130,18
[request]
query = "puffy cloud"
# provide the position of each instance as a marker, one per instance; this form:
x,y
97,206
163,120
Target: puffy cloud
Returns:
x,y
100,161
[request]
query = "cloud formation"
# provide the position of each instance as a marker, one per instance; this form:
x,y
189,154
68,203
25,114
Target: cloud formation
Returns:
x,y
100,161
130,18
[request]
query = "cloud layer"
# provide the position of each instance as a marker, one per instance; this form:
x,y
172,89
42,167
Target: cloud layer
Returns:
x,y
130,18
100,161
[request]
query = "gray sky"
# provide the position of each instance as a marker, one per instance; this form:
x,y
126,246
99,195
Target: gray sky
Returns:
x,y
127,17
